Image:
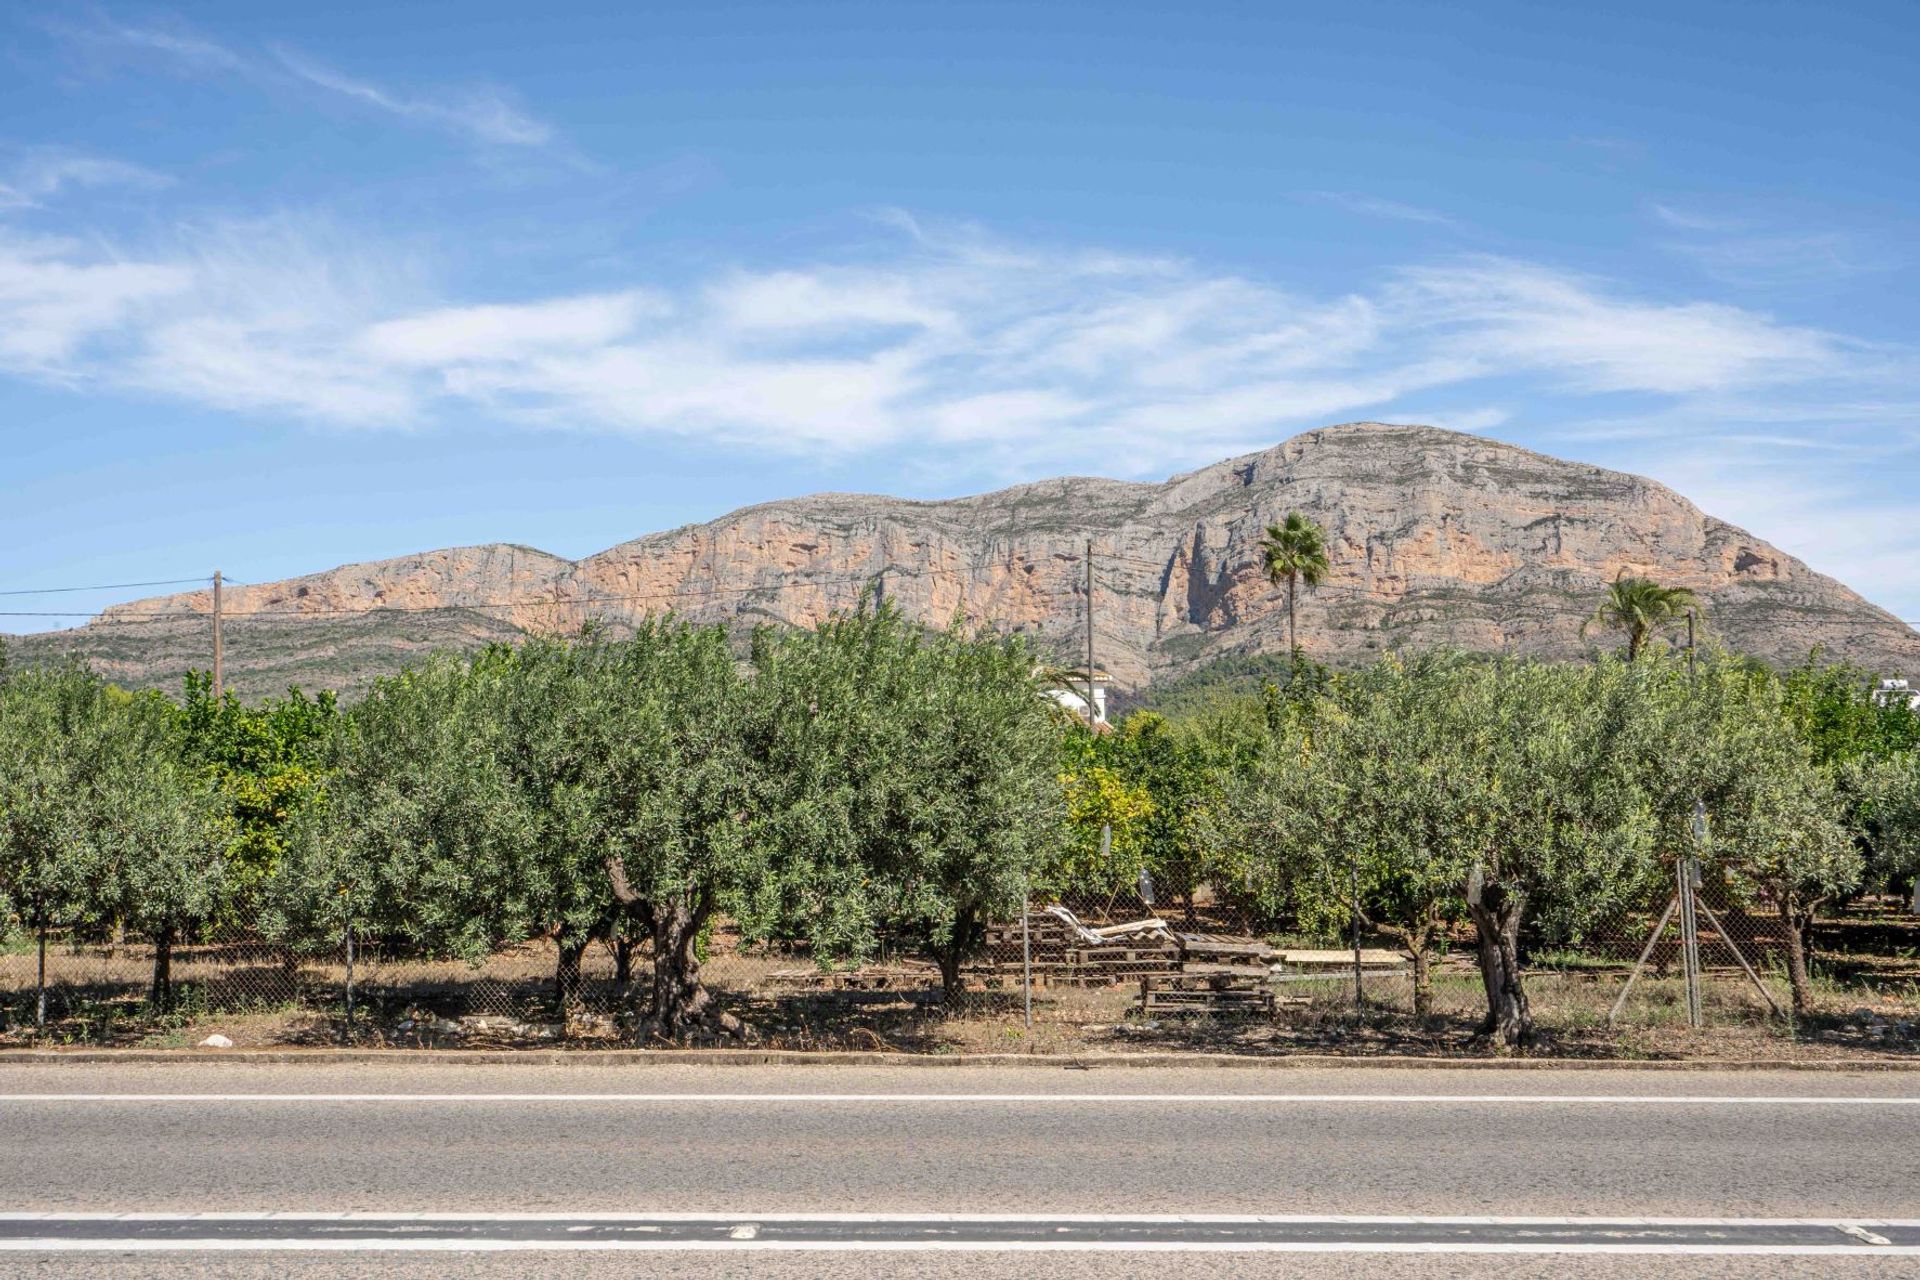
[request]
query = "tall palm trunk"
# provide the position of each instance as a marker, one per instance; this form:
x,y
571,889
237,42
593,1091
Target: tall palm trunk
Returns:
x,y
1293,641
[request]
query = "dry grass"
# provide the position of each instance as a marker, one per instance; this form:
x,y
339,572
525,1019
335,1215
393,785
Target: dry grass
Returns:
x,y
1868,1003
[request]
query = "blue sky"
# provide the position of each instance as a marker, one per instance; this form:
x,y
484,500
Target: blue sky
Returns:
x,y
287,286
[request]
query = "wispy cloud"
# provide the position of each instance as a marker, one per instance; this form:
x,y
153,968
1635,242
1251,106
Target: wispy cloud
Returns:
x,y
1748,251
1025,347
1509,315
1691,220
42,173
481,113
173,42
1377,207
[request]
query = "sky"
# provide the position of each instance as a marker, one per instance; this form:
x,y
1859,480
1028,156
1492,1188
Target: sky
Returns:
x,y
284,287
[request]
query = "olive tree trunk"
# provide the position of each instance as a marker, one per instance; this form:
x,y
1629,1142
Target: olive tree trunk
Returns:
x,y
682,1007
1497,909
622,960
966,938
1418,939
160,995
566,973
1797,919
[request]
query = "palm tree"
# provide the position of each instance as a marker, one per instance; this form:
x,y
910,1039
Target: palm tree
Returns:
x,y
1295,551
1640,607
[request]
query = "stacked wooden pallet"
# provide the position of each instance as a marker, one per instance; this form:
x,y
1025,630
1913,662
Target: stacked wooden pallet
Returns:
x,y
1064,956
1211,989
865,978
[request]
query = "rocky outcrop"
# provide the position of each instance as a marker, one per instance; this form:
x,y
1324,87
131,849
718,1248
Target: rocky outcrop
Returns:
x,y
1436,538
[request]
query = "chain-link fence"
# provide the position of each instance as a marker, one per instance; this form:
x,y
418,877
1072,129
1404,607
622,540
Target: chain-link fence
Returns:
x,y
1206,972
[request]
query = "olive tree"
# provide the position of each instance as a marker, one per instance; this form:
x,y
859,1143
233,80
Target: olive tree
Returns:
x,y
102,823
1884,798
1735,738
654,784
1507,790
909,787
55,734
420,836
165,837
1365,808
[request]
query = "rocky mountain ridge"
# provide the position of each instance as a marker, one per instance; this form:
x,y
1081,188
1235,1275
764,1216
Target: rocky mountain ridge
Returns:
x,y
1436,538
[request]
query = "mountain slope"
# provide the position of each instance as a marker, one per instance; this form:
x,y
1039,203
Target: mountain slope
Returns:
x,y
1436,538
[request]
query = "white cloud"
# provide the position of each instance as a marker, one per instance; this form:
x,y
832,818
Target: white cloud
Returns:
x,y
1377,207
1028,355
479,113
176,44
56,298
1514,315
459,335
483,114
44,172
1692,220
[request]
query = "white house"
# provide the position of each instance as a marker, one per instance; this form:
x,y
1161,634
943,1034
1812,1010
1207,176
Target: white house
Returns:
x,y
1892,692
1069,689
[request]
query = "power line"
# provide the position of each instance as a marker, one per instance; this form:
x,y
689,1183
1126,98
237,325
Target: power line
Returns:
x,y
588,602
105,586
591,600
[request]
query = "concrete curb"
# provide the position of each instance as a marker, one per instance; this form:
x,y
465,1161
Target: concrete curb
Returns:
x,y
794,1058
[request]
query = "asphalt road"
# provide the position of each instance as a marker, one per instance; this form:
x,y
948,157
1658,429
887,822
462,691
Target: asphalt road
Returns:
x,y
1820,1149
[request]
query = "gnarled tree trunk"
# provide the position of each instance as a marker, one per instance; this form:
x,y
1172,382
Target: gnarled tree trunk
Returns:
x,y
622,960
566,973
1796,922
1496,909
1418,939
679,1000
682,1007
968,934
161,993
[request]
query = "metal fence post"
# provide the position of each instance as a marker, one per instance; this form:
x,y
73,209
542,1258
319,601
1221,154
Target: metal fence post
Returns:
x,y
1689,943
1353,867
349,977
40,984
1026,948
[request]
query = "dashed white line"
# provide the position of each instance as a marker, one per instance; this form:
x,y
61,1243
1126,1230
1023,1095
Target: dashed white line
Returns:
x,y
1004,1099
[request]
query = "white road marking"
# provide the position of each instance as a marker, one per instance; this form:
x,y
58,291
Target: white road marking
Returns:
x,y
416,1245
1019,1099
808,1216
745,1234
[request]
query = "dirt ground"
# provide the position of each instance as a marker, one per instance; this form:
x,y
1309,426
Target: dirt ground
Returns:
x,y
1867,1004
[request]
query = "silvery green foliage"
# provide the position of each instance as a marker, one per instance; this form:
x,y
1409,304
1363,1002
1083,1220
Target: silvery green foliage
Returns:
x,y
421,834
101,821
1886,803
56,731
1418,771
648,762
908,787
166,828
1777,833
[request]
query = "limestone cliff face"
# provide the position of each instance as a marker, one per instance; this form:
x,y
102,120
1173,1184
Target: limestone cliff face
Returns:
x,y
1435,537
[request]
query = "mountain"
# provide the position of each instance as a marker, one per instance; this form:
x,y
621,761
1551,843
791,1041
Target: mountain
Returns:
x,y
1436,538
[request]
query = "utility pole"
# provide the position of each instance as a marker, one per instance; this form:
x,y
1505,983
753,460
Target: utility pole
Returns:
x,y
1090,717
219,647
1689,644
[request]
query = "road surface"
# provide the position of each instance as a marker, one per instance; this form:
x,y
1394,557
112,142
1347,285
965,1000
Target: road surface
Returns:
x,y
358,1169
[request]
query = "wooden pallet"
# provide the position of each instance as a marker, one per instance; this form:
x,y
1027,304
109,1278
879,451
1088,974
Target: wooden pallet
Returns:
x,y
873,978
1212,989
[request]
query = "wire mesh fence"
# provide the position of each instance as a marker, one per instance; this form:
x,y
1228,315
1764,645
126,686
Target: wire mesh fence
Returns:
x,y
1210,971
